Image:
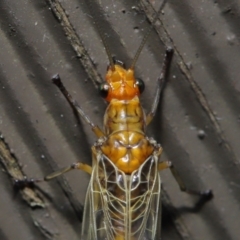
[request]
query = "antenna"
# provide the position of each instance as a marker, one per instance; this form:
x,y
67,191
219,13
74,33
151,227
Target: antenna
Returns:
x,y
147,35
101,34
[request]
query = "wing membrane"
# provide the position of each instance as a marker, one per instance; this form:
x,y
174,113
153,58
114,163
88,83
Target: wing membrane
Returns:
x,y
121,206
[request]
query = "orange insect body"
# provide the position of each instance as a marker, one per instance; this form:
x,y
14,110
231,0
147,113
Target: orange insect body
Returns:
x,y
124,121
126,163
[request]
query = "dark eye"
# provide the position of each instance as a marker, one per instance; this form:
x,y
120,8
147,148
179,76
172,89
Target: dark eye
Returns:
x,y
140,84
103,89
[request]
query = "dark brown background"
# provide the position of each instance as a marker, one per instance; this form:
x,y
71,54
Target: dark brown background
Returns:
x,y
36,41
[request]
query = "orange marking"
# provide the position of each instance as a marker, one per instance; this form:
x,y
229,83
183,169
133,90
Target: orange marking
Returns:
x,y
122,84
127,150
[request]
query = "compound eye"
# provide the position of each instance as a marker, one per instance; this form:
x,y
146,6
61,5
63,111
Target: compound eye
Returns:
x,y
140,84
103,89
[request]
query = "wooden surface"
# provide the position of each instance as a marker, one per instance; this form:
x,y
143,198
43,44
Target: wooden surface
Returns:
x,y
41,38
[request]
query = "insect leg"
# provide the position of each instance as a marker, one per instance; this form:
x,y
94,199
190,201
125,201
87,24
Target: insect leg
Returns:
x,y
161,81
81,166
30,182
57,81
168,164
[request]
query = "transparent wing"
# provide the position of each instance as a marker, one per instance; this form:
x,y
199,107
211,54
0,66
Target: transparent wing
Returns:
x,y
121,206
93,227
88,224
147,209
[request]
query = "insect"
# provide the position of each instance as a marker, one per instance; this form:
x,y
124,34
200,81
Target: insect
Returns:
x,y
122,200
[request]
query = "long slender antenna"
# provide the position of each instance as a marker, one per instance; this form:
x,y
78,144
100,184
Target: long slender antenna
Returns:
x,y
101,33
147,34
